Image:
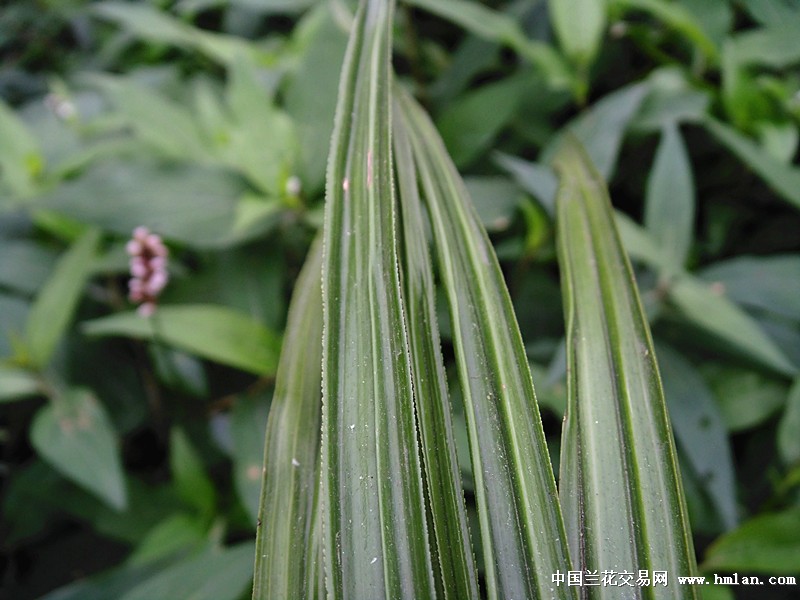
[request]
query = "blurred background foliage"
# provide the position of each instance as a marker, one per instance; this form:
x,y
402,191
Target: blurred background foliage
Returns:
x,y
132,448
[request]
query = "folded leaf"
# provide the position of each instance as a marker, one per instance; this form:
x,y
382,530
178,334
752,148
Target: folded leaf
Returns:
x,y
521,530
620,486
288,534
459,577
375,534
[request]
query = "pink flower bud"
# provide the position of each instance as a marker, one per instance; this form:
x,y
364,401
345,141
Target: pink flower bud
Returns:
x,y
133,247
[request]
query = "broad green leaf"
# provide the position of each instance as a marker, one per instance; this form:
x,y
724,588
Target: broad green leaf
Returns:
x,y
775,47
21,160
57,300
768,543
248,422
17,383
620,487
156,26
213,332
670,202
189,476
470,123
772,12
261,139
215,574
672,99
195,205
783,179
159,121
789,426
602,127
178,533
452,547
375,534
675,16
74,434
579,25
746,398
716,18
488,24
522,534
700,431
768,283
715,313
287,539
311,93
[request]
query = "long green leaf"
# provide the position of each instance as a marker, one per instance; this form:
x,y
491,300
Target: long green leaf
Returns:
x,y
375,533
448,512
52,312
498,27
670,205
521,529
287,539
783,179
215,332
620,486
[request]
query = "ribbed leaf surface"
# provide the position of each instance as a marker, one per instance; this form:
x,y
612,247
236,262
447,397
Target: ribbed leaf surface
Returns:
x,y
375,533
287,540
459,576
619,486
522,533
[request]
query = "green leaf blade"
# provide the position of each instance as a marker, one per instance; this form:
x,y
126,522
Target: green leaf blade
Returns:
x,y
669,208
288,534
76,436
375,534
579,25
51,313
213,332
522,534
620,478
448,511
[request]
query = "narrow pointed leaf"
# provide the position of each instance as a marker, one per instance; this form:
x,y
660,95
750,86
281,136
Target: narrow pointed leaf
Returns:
x,y
521,529
783,179
620,486
579,25
52,312
724,319
669,208
448,513
375,532
287,539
